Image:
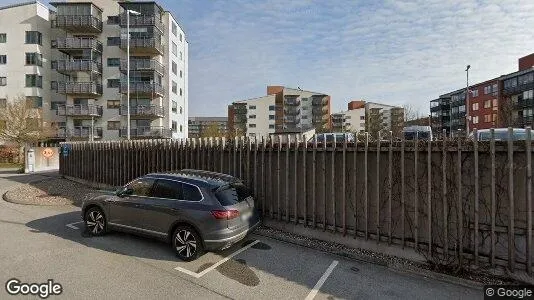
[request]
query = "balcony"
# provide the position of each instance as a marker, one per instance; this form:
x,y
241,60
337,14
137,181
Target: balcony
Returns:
x,y
142,89
143,111
292,101
319,119
82,110
80,88
77,45
319,110
68,67
146,45
142,20
511,90
319,101
78,23
79,132
147,132
142,65
291,119
524,103
291,112
523,121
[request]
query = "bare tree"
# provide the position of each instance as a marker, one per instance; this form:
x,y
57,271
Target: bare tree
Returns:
x,y
505,113
22,124
411,113
211,130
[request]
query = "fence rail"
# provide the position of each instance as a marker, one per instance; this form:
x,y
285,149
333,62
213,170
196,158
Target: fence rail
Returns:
x,y
454,201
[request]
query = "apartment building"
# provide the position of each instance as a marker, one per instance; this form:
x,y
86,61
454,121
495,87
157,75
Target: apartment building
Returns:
x,y
503,101
198,126
281,109
372,117
75,66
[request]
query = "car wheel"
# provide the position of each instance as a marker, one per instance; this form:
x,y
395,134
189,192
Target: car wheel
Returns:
x,y
95,221
186,243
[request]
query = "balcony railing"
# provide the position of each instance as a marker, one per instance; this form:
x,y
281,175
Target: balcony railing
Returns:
x,y
518,88
142,65
142,88
68,44
77,65
146,44
525,103
319,101
78,23
79,132
88,88
319,119
147,132
292,112
143,111
292,101
523,121
142,20
81,110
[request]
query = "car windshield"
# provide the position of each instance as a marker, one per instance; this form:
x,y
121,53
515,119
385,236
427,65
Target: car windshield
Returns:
x,y
232,194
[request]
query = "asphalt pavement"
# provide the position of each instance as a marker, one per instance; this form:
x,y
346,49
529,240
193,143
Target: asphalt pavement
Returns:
x,y
48,242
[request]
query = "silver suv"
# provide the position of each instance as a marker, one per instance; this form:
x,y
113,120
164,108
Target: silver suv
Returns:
x,y
192,209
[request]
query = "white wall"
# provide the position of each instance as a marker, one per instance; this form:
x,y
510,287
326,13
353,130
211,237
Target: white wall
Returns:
x,y
262,113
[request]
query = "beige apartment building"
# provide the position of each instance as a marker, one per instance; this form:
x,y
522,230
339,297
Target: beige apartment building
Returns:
x,y
282,109
70,60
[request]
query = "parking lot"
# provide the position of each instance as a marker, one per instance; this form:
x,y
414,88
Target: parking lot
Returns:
x,y
40,243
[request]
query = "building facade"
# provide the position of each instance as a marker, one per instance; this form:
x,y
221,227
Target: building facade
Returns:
x,y
200,126
81,78
280,110
505,101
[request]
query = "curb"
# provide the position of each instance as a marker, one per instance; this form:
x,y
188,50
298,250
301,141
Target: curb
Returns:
x,y
438,276
7,199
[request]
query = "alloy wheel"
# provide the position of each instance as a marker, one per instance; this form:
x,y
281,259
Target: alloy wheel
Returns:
x,y
186,244
95,222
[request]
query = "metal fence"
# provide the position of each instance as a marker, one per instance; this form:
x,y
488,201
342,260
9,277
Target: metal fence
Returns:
x,y
456,202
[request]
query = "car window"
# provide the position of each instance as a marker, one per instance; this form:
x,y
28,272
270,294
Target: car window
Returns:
x,y
167,189
141,187
191,192
233,194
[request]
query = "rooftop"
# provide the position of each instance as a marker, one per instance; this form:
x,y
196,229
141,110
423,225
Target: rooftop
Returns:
x,y
19,4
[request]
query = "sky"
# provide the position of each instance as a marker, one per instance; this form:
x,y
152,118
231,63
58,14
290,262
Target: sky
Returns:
x,y
394,52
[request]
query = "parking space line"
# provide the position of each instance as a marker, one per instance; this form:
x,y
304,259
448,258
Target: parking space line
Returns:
x,y
222,261
71,225
322,280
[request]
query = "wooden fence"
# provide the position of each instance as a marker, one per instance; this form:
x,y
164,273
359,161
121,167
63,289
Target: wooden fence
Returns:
x,y
454,201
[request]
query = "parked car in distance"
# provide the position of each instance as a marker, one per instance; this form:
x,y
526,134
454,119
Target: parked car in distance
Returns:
x,y
338,137
194,210
419,132
500,134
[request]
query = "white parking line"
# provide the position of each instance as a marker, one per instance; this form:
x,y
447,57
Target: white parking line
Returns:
x,y
71,225
220,262
322,280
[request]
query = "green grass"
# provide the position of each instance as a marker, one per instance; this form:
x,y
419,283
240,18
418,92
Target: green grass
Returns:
x,y
9,165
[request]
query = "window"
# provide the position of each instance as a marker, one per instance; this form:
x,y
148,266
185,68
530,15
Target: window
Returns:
x,y
168,189
3,81
191,193
174,107
474,106
487,118
252,125
252,117
34,37
174,87
271,117
487,104
487,89
113,104
494,117
174,126
114,83
34,80
271,126
114,62
174,29
114,41
528,94
475,120
3,37
252,107
3,103
474,93
181,128
34,101
174,68
181,56
35,59
114,125
174,48
180,91
3,59
180,37
362,118
304,117
180,73
494,88
55,104
141,187
271,107
53,85
113,20
180,110
495,103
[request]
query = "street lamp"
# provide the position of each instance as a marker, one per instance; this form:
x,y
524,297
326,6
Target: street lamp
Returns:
x,y
135,13
467,100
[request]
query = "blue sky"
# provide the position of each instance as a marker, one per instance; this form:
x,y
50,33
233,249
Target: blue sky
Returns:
x,y
396,52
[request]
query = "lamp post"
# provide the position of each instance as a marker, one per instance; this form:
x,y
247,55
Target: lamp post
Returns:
x,y
467,119
135,13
